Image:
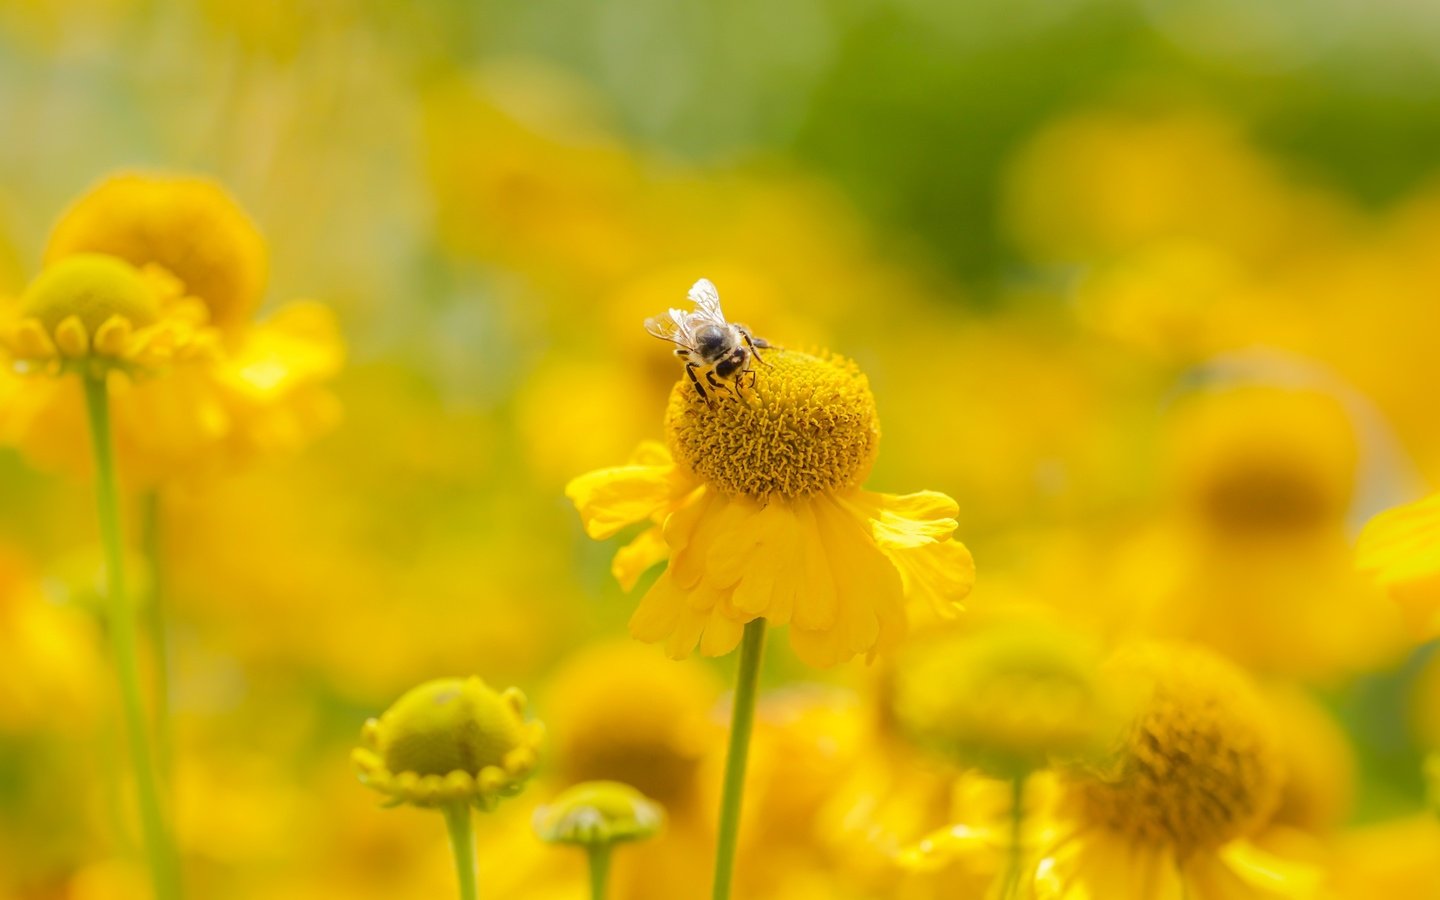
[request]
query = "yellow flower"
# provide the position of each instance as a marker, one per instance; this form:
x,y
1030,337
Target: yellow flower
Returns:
x,y
1259,485
1008,697
620,712
1199,770
757,504
1262,461
93,313
450,740
598,813
187,225
1401,549
262,387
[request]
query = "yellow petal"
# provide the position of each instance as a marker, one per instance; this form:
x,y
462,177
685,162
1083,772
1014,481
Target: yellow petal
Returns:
x,y
71,338
29,341
868,596
939,575
815,601
637,557
1402,543
770,581
112,337
688,532
658,612
610,499
1242,871
721,635
905,520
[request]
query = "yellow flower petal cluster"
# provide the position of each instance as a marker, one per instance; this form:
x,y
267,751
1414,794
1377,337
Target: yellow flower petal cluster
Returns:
x,y
92,313
1401,549
757,506
261,387
450,740
1199,770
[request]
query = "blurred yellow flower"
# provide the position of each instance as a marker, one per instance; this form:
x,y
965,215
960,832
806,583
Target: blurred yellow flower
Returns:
x,y
620,712
761,514
187,225
1198,772
1257,488
598,813
94,313
1008,696
450,741
261,387
1401,549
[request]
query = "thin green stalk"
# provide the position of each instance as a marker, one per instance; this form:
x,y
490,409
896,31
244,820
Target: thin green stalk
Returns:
x,y
160,852
152,544
599,870
742,721
462,841
1015,870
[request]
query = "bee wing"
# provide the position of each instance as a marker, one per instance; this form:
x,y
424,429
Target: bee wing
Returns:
x,y
706,300
670,327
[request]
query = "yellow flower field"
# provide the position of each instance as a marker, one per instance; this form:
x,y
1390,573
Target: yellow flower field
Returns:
x,y
796,451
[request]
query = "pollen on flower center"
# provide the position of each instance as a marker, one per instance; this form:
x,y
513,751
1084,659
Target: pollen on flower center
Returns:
x,y
807,425
92,287
1201,764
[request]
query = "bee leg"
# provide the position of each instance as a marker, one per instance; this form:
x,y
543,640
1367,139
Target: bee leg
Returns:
x,y
690,368
756,344
716,386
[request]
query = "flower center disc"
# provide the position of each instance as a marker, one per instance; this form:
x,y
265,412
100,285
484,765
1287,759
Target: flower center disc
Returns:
x,y
1201,764
801,425
93,288
444,726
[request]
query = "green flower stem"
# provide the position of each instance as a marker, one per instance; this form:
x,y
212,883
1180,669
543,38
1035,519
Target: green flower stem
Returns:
x,y
160,852
599,870
462,841
742,721
151,543
1015,870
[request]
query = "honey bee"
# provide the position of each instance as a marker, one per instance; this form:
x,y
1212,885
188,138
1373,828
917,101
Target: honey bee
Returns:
x,y
722,351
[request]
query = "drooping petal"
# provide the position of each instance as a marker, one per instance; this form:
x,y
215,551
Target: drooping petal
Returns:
x,y
771,576
1401,548
1242,871
1099,865
610,499
939,575
869,597
637,557
688,533
659,611
1402,543
815,603
902,521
